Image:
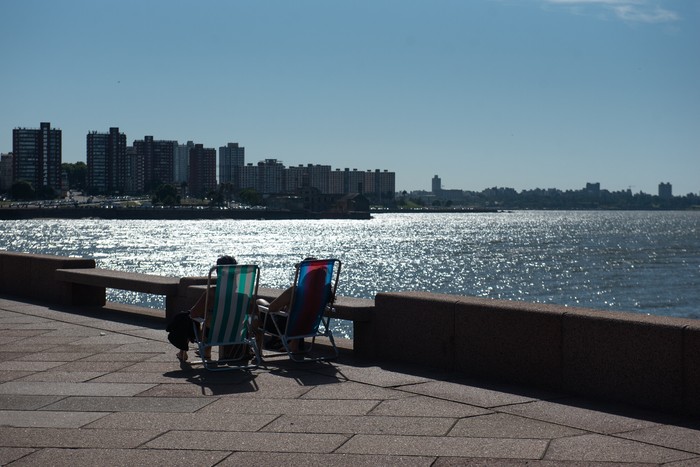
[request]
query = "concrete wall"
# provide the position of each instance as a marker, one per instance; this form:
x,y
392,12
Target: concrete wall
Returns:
x,y
645,360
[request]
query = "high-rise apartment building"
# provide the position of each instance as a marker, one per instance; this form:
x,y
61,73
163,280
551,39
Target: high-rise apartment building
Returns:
x,y
5,172
158,159
37,156
231,161
310,175
182,162
135,184
202,178
107,165
665,191
436,184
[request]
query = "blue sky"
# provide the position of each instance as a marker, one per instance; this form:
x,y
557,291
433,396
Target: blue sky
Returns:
x,y
483,93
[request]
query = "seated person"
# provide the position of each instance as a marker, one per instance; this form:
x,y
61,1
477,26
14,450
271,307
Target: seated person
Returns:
x,y
198,309
281,303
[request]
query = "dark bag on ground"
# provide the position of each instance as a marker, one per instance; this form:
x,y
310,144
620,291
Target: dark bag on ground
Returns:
x,y
181,330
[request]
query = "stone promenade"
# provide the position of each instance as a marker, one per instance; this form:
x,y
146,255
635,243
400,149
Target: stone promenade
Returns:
x,y
104,388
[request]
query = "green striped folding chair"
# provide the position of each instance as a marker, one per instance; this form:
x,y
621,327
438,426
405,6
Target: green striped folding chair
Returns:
x,y
226,322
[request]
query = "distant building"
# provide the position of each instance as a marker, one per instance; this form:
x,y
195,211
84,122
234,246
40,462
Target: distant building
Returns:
x,y
270,177
231,160
593,188
436,185
135,184
202,178
665,191
107,165
37,156
353,181
158,160
181,163
5,172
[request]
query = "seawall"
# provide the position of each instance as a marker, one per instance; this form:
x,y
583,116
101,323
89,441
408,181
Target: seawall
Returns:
x,y
648,361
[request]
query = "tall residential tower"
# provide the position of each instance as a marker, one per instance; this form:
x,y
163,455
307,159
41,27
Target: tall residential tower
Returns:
x,y
37,156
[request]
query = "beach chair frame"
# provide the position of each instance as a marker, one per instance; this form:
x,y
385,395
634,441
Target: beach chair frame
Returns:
x,y
309,312
230,316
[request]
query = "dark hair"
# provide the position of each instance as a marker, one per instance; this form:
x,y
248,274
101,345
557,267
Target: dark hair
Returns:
x,y
226,260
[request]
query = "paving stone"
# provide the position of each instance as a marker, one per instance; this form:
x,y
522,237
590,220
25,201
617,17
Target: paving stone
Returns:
x,y
353,390
676,437
72,389
111,338
290,459
62,376
419,426
121,357
49,356
492,462
4,356
130,404
499,425
380,377
105,349
445,446
146,347
74,437
8,455
14,365
20,333
193,389
22,418
181,421
291,406
153,378
127,457
692,462
473,395
83,366
50,340
601,448
26,402
421,406
245,441
152,367
10,375
585,418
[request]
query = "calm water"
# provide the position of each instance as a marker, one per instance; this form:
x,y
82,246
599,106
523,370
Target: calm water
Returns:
x,y
645,262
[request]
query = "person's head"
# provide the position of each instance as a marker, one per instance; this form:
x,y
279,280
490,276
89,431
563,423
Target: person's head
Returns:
x,y
310,258
225,260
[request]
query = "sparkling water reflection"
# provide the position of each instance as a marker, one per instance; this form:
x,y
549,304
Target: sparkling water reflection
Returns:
x,y
646,262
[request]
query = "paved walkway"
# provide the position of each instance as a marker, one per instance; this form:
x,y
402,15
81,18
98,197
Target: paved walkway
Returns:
x,y
105,389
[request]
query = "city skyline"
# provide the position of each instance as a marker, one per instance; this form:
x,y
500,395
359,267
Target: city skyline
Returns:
x,y
521,94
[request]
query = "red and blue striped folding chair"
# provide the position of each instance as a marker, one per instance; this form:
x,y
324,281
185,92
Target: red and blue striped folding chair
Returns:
x,y
308,313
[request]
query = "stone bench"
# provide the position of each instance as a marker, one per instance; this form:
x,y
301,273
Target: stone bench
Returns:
x,y
89,285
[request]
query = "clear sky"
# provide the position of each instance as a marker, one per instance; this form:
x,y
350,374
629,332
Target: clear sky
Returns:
x,y
510,93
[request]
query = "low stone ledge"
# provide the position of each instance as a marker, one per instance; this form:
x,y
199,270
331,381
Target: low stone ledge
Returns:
x,y
622,356
515,341
32,276
650,361
691,367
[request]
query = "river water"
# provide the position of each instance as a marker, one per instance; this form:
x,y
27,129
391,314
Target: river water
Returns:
x,y
636,261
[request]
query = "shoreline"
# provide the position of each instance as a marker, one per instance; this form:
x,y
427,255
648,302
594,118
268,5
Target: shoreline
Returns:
x,y
171,214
